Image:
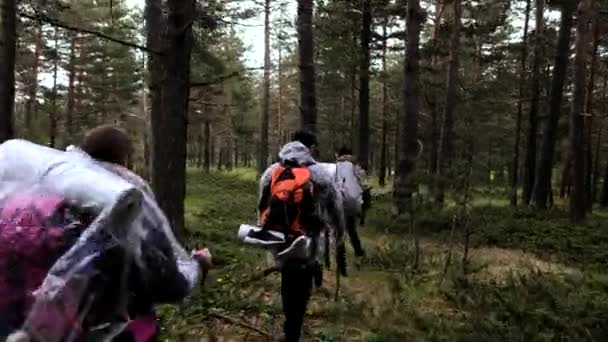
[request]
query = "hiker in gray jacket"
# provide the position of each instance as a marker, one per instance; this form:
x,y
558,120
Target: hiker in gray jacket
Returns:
x,y
352,180
299,198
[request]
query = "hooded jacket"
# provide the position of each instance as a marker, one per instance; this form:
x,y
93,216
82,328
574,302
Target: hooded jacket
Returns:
x,y
326,197
359,172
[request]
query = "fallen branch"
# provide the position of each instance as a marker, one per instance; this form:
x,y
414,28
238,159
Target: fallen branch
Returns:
x,y
57,23
239,323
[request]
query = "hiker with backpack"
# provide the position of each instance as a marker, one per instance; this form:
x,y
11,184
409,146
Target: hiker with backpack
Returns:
x,y
111,147
298,200
85,250
352,182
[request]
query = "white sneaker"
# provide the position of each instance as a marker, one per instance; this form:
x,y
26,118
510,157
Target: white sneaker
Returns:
x,y
299,249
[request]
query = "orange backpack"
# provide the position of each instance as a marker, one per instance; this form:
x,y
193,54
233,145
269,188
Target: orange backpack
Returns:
x,y
290,200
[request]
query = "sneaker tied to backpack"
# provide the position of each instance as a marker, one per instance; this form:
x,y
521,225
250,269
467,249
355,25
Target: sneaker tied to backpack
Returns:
x,y
257,236
299,249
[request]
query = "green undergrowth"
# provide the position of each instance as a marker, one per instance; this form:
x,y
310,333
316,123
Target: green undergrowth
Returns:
x,y
529,276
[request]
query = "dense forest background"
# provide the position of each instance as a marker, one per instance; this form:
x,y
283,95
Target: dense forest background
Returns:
x,y
458,109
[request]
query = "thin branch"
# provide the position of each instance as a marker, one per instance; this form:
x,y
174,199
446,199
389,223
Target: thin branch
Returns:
x,y
57,23
239,323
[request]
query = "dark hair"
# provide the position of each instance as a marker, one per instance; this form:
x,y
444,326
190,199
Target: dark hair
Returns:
x,y
344,151
108,143
307,138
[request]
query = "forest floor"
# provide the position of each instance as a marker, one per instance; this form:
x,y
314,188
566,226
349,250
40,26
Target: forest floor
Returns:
x,y
529,276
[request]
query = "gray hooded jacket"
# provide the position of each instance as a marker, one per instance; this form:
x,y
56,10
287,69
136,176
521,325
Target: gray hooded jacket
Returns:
x,y
326,197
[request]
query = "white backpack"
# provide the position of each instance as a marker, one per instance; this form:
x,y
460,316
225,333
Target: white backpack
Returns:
x,y
348,184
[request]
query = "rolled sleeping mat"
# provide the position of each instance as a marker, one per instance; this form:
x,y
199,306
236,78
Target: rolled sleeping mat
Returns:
x,y
330,168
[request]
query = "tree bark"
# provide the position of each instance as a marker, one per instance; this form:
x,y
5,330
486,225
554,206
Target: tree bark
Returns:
x,y
598,160
263,148
69,111
308,100
54,110
522,82
577,202
530,162
384,147
596,165
170,127
32,91
589,116
8,40
207,153
155,27
364,131
353,105
604,198
432,96
280,114
446,148
542,185
405,182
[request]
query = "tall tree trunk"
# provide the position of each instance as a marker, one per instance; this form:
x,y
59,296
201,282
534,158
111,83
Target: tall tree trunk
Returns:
x,y
397,146
69,111
353,105
200,137
170,128
308,99
598,160
432,96
8,40
280,114
604,198
522,82
364,132
446,149
155,32
53,112
530,162
596,165
263,148
405,183
208,149
589,115
32,91
384,147
544,169
577,202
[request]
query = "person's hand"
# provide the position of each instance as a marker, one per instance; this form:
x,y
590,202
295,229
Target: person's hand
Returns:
x,y
203,256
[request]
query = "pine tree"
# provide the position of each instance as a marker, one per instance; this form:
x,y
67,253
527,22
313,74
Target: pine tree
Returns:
x,y
8,37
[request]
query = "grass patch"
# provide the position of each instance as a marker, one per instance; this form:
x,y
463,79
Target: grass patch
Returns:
x,y
531,276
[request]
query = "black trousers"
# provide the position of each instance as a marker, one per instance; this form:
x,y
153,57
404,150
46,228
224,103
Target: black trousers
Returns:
x,y
296,287
353,236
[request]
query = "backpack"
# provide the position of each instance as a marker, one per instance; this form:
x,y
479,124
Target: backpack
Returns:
x,y
349,187
290,208
35,230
